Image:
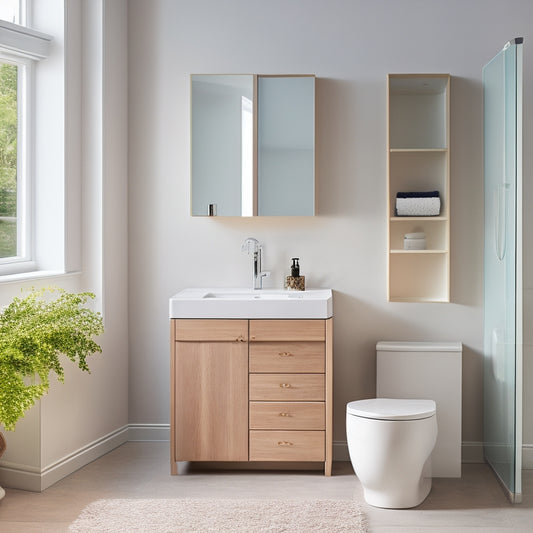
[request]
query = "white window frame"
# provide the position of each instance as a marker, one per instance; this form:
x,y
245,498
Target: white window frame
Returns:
x,y
24,47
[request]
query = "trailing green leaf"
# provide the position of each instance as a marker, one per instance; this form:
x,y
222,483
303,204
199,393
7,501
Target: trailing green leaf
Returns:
x,y
34,332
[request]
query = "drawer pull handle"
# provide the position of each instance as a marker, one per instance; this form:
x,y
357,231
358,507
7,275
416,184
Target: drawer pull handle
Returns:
x,y
285,414
285,354
240,338
285,385
285,443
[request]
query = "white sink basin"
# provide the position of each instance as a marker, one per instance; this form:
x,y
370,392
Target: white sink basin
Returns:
x,y
248,303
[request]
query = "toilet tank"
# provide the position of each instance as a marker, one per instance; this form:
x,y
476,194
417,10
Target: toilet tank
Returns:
x,y
431,371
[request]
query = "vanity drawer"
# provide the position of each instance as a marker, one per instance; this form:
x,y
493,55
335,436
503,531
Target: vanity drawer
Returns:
x,y
211,330
287,415
287,387
287,445
287,357
287,330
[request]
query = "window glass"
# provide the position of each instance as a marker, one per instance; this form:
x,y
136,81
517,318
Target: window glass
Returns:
x,y
10,11
8,160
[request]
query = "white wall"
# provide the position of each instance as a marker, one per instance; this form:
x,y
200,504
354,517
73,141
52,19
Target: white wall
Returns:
x,y
350,45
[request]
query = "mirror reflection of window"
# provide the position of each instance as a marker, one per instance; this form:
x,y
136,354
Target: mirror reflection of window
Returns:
x,y
217,141
247,191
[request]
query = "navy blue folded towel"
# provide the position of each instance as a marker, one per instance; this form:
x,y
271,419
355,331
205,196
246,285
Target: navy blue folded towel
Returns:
x,y
428,194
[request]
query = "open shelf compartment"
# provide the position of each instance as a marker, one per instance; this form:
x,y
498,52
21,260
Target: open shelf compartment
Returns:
x,y
418,160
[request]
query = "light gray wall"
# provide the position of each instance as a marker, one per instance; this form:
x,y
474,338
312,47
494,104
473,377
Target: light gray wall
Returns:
x,y
350,45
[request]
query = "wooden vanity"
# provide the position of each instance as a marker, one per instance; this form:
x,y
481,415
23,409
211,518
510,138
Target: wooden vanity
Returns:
x,y
251,390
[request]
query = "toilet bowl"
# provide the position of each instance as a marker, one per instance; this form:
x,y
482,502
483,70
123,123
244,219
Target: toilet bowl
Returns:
x,y
390,443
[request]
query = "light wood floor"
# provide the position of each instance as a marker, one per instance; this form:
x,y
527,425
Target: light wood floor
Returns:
x,y
474,503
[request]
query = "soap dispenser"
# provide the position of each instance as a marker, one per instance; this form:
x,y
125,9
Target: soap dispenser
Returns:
x,y
295,268
295,282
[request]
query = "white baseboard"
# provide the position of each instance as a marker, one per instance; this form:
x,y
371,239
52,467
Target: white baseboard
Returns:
x,y
340,451
149,432
29,478
527,457
471,452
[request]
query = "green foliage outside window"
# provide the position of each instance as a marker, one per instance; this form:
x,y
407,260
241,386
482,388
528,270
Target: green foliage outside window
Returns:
x,y
35,331
8,159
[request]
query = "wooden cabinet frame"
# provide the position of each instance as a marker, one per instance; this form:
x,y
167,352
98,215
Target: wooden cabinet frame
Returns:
x,y
224,346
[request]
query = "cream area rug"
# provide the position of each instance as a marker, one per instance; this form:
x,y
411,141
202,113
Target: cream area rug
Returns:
x,y
220,515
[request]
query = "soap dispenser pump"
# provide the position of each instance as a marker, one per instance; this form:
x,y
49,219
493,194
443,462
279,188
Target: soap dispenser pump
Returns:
x,y
295,268
295,282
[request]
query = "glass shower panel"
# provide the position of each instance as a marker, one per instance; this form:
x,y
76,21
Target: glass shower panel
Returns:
x,y
502,353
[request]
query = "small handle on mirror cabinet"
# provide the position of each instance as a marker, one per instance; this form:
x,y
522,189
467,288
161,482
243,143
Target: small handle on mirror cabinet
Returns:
x,y
285,385
284,443
285,354
284,414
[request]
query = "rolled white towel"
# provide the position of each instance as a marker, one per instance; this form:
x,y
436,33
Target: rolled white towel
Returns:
x,y
418,207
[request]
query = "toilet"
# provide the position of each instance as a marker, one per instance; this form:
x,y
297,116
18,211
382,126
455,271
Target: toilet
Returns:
x,y
393,441
390,443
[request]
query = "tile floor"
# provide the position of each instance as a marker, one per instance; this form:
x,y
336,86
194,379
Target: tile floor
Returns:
x,y
141,469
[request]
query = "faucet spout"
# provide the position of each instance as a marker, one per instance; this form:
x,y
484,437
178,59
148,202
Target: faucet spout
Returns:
x,y
253,247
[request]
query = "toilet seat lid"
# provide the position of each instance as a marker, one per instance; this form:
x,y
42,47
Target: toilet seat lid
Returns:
x,y
392,409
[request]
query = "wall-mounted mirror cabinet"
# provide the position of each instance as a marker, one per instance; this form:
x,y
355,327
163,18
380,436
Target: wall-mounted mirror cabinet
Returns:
x,y
252,145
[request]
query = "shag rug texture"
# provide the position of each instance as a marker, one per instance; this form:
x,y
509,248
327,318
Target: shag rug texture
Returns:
x,y
220,515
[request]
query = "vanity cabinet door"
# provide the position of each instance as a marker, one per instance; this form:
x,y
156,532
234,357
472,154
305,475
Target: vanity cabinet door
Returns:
x,y
210,391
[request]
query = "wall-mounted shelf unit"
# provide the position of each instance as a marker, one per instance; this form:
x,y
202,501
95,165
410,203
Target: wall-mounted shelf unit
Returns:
x,y
418,160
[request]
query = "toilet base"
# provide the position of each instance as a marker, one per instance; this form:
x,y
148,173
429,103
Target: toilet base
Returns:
x,y
386,500
391,458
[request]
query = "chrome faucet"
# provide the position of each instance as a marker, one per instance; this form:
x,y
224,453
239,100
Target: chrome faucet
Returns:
x,y
253,246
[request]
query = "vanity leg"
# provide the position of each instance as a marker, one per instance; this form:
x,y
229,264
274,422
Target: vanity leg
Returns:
x,y
173,468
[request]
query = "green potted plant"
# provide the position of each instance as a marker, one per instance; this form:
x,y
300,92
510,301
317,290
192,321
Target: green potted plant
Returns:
x,y
35,331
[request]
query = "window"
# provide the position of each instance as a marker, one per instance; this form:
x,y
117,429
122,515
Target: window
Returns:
x,y
8,160
14,220
10,11
20,49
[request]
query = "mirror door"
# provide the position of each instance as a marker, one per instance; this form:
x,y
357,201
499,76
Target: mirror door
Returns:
x,y
286,145
222,140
